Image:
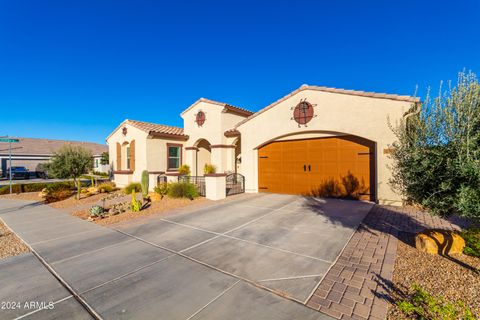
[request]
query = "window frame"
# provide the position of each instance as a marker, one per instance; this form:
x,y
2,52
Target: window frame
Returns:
x,y
180,148
128,156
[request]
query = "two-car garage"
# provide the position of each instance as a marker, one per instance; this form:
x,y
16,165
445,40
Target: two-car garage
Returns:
x,y
341,166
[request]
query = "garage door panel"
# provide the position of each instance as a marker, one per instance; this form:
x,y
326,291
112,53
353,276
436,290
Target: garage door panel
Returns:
x,y
330,159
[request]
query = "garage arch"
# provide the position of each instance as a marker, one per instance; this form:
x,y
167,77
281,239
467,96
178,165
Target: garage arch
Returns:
x,y
321,163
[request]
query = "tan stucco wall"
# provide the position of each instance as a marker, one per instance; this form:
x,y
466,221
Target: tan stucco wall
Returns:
x,y
216,123
336,114
150,154
157,153
140,153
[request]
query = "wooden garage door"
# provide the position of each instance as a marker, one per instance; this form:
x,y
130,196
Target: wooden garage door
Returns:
x,y
340,167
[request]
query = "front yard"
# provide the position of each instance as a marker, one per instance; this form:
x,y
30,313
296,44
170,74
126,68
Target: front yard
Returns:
x,y
455,278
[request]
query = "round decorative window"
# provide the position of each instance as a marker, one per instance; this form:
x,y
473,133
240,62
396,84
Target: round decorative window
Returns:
x,y
303,112
124,131
200,118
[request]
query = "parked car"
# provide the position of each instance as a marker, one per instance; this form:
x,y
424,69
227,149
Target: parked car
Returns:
x,y
18,173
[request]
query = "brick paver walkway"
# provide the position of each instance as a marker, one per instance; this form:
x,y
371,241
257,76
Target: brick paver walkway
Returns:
x,y
356,285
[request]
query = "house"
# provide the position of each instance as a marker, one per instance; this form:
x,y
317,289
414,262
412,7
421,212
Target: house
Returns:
x,y
312,140
30,152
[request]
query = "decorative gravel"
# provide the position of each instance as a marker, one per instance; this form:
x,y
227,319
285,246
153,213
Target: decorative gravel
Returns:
x,y
10,245
455,278
164,206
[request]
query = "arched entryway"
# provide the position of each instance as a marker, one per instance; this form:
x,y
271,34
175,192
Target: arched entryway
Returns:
x,y
203,156
338,166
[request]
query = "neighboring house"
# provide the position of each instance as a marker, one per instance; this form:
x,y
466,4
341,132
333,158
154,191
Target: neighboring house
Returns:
x,y
29,152
307,140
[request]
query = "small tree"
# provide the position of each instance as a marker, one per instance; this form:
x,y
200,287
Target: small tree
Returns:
x,y
437,155
71,162
104,160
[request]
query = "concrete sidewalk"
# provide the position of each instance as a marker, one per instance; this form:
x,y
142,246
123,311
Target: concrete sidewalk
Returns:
x,y
120,276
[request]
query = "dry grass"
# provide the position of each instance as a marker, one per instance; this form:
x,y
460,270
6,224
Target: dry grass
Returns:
x,y
10,245
455,279
164,206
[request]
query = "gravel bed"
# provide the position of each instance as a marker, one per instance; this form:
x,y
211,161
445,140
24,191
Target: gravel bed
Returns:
x,y
164,206
10,245
455,278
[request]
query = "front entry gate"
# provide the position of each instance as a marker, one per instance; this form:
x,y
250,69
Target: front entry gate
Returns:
x,y
235,183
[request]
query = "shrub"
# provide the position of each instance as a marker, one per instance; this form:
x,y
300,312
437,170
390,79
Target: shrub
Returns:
x,y
20,188
162,189
134,186
135,205
438,150
58,191
184,170
145,182
101,174
97,211
182,190
422,305
106,187
209,168
472,241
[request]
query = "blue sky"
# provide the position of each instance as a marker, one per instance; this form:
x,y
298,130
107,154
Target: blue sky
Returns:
x,y
76,69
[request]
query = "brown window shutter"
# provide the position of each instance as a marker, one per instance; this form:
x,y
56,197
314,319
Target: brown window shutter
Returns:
x,y
119,157
132,155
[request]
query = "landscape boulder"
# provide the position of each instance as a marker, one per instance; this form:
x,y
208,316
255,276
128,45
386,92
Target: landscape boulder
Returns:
x,y
436,241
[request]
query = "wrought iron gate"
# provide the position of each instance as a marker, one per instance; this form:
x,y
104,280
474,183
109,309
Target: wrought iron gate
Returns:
x,y
235,184
198,181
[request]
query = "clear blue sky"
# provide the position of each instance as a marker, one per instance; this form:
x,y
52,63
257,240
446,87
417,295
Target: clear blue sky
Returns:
x,y
76,69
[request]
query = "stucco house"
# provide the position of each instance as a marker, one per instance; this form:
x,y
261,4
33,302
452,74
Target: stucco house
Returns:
x,y
305,141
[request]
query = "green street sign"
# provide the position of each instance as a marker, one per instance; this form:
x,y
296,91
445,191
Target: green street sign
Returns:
x,y
8,140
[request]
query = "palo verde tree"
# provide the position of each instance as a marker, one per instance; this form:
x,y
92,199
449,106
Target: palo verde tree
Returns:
x,y
71,162
437,155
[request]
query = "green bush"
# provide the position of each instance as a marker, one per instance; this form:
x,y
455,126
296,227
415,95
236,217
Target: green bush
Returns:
x,y
20,188
134,186
182,190
422,305
184,170
59,186
106,187
162,189
101,174
472,241
437,154
209,168
58,191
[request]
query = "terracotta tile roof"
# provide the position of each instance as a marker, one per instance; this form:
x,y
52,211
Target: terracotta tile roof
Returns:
x,y
333,90
36,146
153,127
227,107
232,133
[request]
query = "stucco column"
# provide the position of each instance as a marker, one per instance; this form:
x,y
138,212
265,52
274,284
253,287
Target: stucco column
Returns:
x,y
190,159
217,158
215,186
230,160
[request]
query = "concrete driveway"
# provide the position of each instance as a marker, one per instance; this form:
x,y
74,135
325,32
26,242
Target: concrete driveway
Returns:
x,y
249,257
